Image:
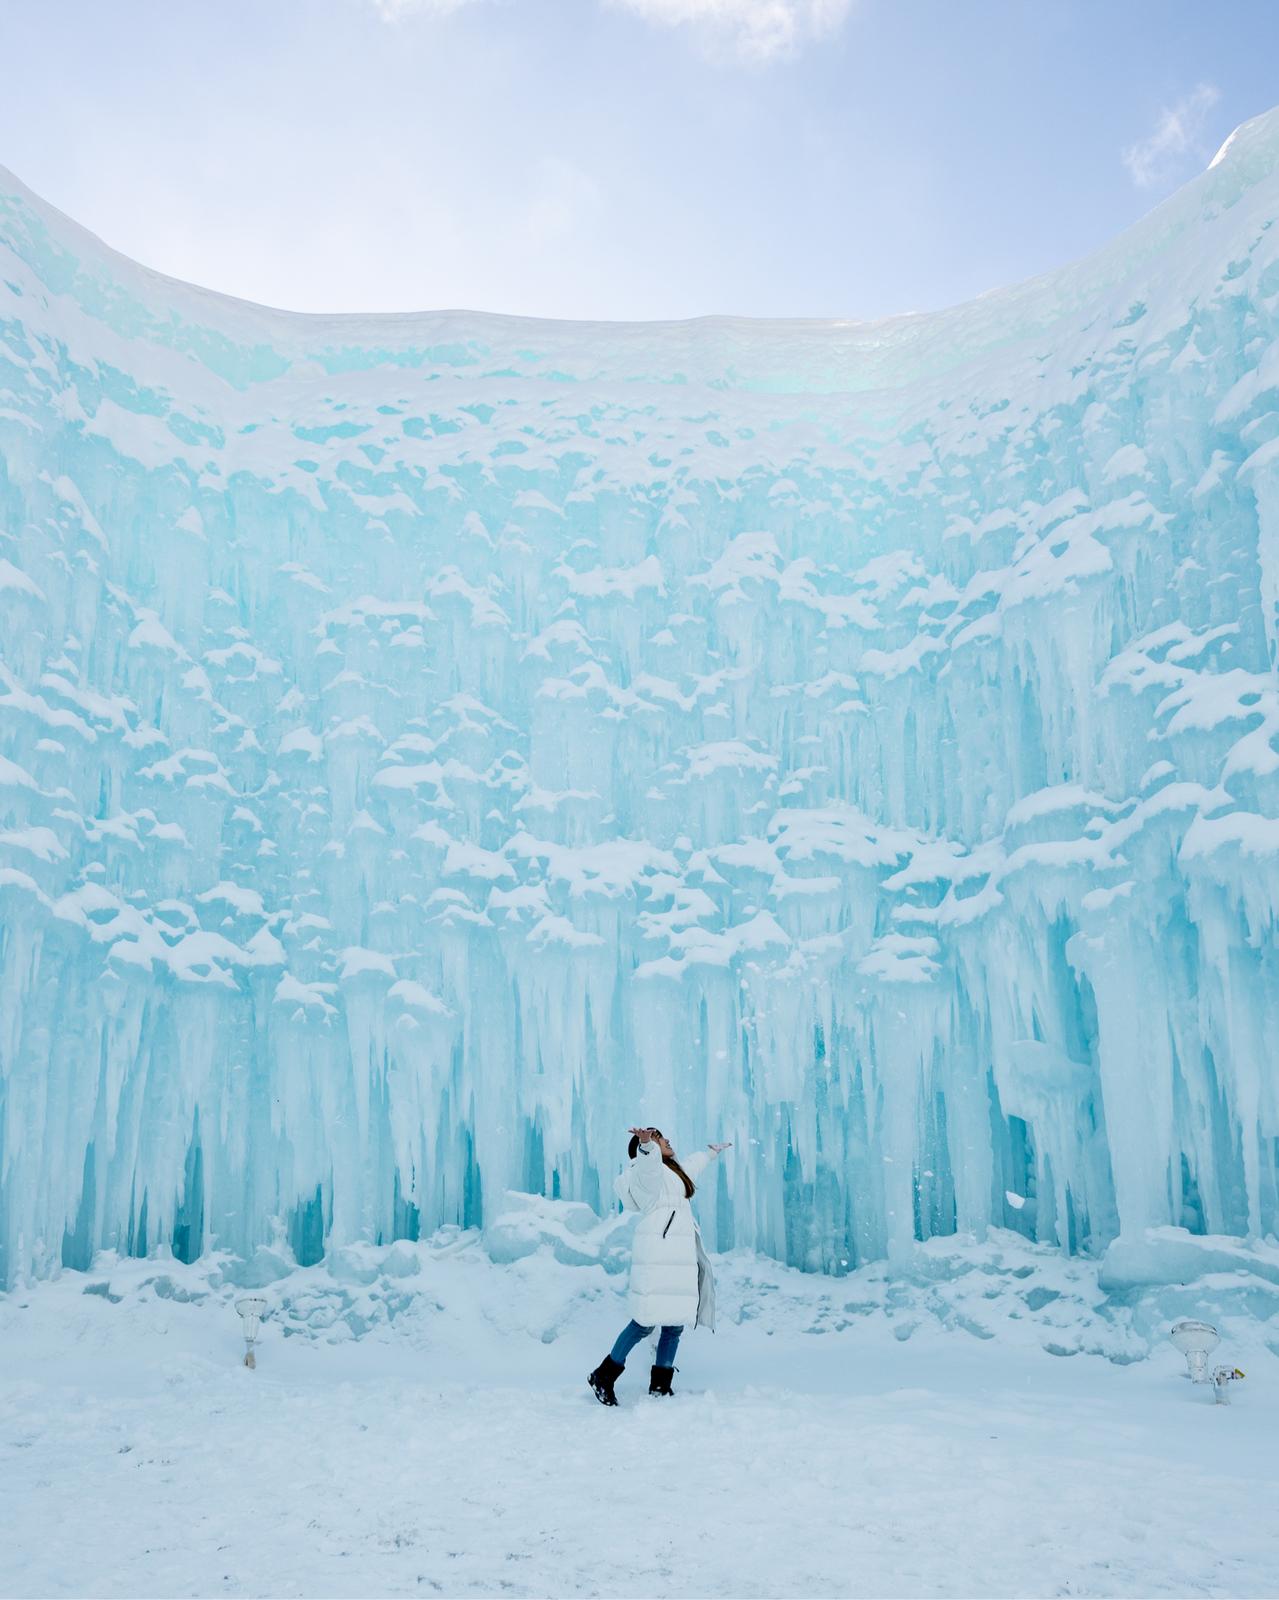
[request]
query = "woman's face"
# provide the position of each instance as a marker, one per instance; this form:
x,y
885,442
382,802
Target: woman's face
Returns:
x,y
664,1145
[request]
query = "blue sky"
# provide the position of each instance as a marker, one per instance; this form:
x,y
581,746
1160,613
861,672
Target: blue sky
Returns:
x,y
621,158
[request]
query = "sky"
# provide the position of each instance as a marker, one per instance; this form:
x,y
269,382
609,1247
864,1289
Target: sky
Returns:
x,y
626,159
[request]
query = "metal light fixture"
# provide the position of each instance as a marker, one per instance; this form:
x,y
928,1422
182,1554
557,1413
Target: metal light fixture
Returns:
x,y
1222,1377
251,1309
1196,1341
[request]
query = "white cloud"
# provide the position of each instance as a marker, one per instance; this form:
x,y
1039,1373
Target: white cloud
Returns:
x,y
1178,130
754,31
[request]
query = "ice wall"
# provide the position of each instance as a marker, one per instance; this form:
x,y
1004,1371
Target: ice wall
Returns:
x,y
429,744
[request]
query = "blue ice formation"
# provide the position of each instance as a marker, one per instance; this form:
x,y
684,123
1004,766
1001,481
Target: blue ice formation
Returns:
x,y
429,744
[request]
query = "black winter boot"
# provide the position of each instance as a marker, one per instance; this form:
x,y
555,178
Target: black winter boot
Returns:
x,y
660,1380
603,1379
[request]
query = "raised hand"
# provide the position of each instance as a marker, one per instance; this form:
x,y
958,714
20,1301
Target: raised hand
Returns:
x,y
716,1148
644,1135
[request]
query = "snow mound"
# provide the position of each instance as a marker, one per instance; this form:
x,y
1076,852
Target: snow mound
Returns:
x,y
547,1270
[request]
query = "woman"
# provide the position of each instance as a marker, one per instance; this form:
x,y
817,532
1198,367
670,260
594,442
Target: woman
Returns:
x,y
671,1282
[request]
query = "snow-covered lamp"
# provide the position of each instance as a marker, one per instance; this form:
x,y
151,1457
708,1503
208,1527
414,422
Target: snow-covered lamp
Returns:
x,y
251,1309
1196,1341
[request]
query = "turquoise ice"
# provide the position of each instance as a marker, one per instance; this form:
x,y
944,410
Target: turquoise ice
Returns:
x,y
430,744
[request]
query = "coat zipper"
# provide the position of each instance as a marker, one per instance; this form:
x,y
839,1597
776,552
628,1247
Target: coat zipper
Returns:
x,y
667,1228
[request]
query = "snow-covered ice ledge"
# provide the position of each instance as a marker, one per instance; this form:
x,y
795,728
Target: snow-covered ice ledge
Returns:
x,y
554,1272
429,743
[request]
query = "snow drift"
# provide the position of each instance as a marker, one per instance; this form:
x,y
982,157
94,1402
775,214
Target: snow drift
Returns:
x,y
430,743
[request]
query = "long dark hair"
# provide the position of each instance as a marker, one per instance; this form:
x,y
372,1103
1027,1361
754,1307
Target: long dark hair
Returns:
x,y
690,1187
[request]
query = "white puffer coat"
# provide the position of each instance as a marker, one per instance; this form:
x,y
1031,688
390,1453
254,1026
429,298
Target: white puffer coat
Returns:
x,y
671,1280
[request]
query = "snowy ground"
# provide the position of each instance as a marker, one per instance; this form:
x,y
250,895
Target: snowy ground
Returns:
x,y
834,1437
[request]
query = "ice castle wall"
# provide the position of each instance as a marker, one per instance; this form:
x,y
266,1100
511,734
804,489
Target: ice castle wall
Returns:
x,y
430,744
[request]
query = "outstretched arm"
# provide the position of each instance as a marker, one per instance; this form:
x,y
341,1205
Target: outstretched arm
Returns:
x,y
697,1163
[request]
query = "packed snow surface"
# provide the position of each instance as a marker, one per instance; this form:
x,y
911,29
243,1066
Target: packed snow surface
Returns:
x,y
429,744
418,1423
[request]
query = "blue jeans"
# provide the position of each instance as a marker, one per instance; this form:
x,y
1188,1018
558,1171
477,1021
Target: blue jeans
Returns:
x,y
631,1335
